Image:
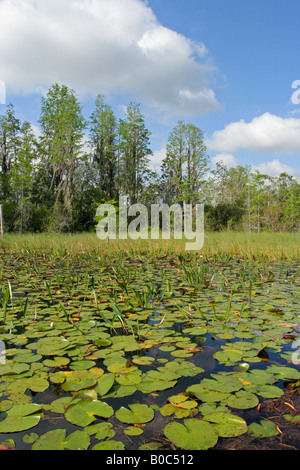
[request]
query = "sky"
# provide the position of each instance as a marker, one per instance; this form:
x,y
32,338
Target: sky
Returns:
x,y
229,67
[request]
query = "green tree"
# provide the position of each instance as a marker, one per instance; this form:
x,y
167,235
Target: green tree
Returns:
x,y
185,164
257,200
103,141
9,143
134,152
22,177
62,125
288,195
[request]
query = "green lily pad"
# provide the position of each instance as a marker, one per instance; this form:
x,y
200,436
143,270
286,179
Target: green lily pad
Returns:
x,y
27,358
124,390
136,414
129,379
181,353
195,434
105,383
78,384
84,412
20,418
133,431
143,360
109,445
284,373
77,440
82,365
206,395
267,391
222,383
101,430
167,348
242,400
57,440
195,331
60,405
51,440
120,368
14,369
228,356
150,446
293,419
227,424
30,438
52,346
179,412
56,362
264,429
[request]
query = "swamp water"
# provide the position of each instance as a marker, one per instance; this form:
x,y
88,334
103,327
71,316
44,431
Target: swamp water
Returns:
x,y
169,353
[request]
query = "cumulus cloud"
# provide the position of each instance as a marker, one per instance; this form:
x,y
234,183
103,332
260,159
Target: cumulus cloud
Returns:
x,y
226,158
100,46
275,168
157,158
266,133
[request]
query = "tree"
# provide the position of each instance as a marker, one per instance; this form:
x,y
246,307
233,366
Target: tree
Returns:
x,y
63,127
22,177
196,164
185,164
289,201
134,151
9,142
103,141
257,200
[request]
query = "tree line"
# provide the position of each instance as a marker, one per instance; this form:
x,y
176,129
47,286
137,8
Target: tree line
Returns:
x,y
56,181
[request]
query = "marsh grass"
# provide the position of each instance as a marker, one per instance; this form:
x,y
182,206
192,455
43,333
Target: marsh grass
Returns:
x,y
264,245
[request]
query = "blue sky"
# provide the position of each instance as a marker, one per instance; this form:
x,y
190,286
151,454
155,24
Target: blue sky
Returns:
x,y
227,66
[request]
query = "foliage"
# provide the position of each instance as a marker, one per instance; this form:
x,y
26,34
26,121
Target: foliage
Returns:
x,y
53,182
91,365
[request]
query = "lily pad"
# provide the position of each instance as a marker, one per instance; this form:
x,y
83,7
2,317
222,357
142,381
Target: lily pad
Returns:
x,y
143,360
227,424
101,430
195,434
109,445
120,368
195,331
129,379
136,414
20,418
264,429
56,362
13,369
57,440
82,365
206,395
105,383
133,431
84,412
242,400
78,384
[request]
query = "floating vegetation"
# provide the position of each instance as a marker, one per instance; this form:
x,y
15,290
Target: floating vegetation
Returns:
x,y
156,351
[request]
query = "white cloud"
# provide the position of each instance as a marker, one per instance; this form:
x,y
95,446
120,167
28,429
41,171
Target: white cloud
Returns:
x,y
266,133
226,158
103,46
275,168
156,159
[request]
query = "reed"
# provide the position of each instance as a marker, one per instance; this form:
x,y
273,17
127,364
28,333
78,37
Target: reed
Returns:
x,y
262,246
